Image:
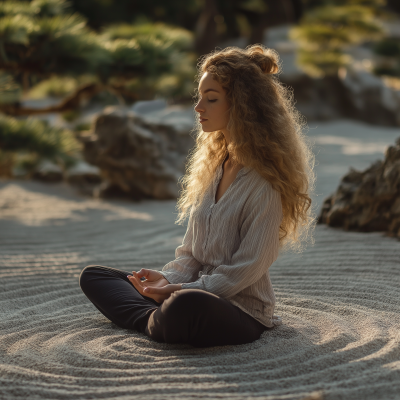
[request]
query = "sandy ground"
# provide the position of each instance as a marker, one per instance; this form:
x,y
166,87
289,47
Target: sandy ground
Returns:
x,y
339,301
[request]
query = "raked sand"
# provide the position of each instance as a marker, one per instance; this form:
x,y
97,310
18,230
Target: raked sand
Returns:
x,y
339,301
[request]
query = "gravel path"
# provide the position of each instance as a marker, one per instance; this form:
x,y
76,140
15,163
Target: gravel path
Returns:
x,y
339,302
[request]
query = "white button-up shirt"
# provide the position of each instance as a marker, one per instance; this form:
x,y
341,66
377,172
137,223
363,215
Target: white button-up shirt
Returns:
x,y
230,245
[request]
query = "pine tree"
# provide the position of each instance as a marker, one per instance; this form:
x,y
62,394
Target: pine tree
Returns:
x,y
326,31
40,39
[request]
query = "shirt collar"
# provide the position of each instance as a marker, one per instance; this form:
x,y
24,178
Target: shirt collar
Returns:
x,y
218,175
243,171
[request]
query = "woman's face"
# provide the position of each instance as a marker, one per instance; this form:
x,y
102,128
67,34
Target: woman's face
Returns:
x,y
213,106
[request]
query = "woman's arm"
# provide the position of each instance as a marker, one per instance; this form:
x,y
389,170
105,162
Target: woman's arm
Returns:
x,y
185,267
258,249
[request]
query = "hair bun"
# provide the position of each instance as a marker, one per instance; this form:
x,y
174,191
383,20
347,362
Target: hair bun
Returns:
x,y
266,59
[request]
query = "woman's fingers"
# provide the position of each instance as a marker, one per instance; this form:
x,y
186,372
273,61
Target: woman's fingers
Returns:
x,y
152,290
136,282
167,289
149,274
137,277
142,273
159,294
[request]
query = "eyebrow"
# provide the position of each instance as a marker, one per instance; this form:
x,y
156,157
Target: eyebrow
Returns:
x,y
210,90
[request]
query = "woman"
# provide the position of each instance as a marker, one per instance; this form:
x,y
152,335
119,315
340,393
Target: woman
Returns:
x,y
246,192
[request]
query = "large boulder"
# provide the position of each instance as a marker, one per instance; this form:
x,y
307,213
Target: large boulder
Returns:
x,y
372,100
138,156
354,94
368,200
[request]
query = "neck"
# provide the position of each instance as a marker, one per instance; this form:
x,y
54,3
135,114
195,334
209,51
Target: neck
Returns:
x,y
228,163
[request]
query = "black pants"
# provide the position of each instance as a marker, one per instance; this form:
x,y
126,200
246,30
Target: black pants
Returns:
x,y
191,316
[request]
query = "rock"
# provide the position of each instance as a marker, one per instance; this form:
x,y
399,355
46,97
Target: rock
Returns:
x,y
149,106
372,100
141,157
370,200
179,118
354,94
85,177
83,173
48,171
111,190
317,99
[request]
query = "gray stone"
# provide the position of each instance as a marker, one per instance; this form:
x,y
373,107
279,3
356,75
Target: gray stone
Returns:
x,y
141,158
84,176
354,94
48,171
368,200
148,106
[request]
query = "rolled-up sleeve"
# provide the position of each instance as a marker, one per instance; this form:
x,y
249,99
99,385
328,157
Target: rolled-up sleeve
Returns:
x,y
258,249
185,267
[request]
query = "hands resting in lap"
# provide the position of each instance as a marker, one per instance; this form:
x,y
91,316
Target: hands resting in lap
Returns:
x,y
154,286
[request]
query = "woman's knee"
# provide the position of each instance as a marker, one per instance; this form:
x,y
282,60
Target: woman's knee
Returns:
x,y
187,302
85,275
171,322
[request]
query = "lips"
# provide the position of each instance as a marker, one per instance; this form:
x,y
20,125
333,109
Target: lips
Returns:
x,y
203,119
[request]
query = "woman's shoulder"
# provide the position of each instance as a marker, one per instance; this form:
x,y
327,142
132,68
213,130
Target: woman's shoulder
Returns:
x,y
262,196
261,187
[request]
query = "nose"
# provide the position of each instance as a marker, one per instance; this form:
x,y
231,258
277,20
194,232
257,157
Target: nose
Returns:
x,y
199,107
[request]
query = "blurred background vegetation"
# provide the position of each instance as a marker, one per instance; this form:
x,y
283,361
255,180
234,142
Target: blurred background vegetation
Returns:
x,y
60,56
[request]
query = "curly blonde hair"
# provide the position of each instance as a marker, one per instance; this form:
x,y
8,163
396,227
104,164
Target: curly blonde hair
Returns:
x,y
266,134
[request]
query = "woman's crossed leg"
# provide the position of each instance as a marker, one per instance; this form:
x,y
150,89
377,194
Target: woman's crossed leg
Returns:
x,y
191,316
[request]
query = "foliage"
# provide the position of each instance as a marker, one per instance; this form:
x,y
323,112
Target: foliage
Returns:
x,y
311,4
36,135
71,115
387,70
389,62
41,40
327,31
175,12
43,43
221,19
389,47
177,38
83,126
38,140
59,86
9,91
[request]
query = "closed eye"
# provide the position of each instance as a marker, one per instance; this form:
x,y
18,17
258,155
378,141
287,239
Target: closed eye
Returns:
x,y
212,101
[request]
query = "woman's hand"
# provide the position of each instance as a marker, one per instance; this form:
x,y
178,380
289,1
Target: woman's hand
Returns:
x,y
154,286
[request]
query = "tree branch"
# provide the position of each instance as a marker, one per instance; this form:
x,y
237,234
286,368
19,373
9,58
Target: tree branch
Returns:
x,y
71,102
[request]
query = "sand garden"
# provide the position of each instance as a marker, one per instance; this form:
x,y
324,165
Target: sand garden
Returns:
x,y
339,300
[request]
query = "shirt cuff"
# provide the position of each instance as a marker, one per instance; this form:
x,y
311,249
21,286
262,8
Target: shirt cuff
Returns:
x,y
171,276
194,285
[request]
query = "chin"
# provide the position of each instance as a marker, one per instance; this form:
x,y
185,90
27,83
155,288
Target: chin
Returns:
x,y
208,129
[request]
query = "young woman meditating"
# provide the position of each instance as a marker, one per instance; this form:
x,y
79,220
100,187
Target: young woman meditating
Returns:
x,y
246,193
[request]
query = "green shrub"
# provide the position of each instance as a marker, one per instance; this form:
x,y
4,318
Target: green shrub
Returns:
x,y
386,70
389,47
59,86
83,126
327,31
10,91
38,140
70,115
43,42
